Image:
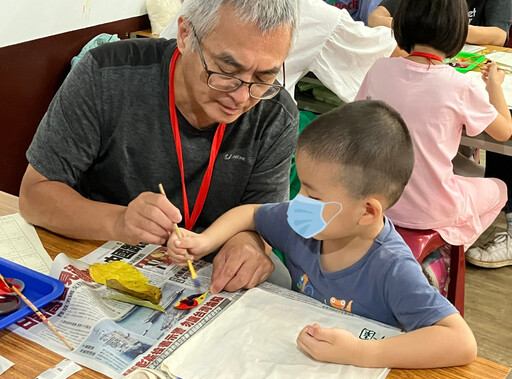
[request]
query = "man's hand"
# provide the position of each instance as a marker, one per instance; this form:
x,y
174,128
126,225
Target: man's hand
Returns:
x,y
330,345
241,263
148,218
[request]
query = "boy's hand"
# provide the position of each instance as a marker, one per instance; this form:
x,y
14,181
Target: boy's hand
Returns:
x,y
330,345
491,73
196,244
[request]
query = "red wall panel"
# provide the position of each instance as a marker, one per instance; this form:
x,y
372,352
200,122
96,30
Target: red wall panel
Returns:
x,y
30,74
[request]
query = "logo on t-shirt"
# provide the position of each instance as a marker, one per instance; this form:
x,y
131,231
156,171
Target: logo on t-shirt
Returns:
x,y
344,4
229,156
472,14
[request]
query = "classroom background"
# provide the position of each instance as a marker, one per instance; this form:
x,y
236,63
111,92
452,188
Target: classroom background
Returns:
x,y
37,42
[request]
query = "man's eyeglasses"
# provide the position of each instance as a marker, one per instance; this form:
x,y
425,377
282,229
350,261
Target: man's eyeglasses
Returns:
x,y
227,83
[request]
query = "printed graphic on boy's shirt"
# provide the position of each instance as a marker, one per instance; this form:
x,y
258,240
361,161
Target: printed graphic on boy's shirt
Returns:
x,y
368,334
341,304
304,286
350,5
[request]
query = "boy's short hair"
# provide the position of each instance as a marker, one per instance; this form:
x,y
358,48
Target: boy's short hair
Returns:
x,y
442,24
370,142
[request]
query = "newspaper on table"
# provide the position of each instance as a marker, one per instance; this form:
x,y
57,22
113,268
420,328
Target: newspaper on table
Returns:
x,y
116,338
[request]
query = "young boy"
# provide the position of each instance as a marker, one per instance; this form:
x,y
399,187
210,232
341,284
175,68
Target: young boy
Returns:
x,y
353,164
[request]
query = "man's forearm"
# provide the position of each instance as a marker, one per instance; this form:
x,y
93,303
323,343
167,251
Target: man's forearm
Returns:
x,y
57,207
486,35
380,17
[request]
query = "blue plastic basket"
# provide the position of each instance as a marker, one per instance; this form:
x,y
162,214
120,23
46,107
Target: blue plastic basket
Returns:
x,y
40,289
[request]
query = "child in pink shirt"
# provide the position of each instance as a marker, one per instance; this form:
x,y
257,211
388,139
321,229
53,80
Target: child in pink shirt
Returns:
x,y
436,102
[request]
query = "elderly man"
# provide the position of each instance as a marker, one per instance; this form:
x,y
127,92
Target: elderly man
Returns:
x,y
202,114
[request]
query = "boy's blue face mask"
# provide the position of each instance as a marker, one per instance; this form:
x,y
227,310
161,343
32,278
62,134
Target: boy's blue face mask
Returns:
x,y
305,215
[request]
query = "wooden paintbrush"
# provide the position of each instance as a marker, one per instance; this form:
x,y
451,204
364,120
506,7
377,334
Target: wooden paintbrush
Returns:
x,y
38,313
193,274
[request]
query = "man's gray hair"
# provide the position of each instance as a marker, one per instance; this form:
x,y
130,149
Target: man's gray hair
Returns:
x,y
267,14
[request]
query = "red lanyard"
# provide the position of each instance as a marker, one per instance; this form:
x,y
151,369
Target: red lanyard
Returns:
x,y
430,57
190,220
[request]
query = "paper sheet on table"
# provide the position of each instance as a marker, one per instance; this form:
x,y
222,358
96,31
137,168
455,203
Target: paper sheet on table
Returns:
x,y
256,338
502,57
20,244
506,86
471,48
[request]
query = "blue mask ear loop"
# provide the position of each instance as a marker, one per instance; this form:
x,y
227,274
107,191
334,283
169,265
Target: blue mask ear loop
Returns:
x,y
341,207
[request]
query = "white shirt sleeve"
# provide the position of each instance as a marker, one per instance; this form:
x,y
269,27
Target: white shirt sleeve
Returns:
x,y
348,52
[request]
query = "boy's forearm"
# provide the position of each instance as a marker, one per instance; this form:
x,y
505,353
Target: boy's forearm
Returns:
x,y
234,221
452,344
486,35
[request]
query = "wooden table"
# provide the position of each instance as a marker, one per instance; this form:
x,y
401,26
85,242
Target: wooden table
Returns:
x,y
30,359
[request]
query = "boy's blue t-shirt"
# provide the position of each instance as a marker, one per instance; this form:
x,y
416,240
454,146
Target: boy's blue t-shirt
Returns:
x,y
386,285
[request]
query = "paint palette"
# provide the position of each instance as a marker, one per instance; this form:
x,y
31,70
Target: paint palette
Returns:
x,y
40,289
464,62
9,301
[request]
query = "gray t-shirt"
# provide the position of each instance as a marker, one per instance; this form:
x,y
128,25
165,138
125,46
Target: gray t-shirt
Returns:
x,y
481,12
107,134
386,284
